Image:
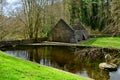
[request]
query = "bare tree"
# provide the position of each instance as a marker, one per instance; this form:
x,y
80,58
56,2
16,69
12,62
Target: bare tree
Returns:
x,y
32,12
114,26
116,17
2,19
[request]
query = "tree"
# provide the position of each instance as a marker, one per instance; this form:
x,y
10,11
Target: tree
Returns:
x,y
114,26
93,13
32,13
3,19
74,11
115,13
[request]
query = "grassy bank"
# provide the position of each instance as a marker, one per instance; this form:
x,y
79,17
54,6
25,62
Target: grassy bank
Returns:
x,y
105,42
17,69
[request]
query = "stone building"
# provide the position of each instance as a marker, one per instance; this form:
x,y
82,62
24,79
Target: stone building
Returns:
x,y
62,32
80,32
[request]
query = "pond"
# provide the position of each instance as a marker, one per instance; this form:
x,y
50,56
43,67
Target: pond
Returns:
x,y
72,59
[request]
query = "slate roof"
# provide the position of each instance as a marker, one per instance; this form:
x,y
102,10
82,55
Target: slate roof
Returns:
x,y
79,26
61,21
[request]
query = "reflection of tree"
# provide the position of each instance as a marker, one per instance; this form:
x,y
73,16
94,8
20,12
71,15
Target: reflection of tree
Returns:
x,y
89,59
94,72
30,56
80,60
46,55
61,56
40,55
91,67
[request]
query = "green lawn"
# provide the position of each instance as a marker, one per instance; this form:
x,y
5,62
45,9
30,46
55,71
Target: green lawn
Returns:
x,y
105,42
17,69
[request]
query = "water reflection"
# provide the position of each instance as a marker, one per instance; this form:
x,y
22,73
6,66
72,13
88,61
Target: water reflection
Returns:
x,y
115,75
75,60
19,53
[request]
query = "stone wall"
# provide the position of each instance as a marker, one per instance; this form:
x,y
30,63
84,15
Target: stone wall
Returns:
x,y
61,33
21,42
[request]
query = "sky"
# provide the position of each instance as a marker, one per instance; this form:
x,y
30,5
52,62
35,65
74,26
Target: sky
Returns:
x,y
12,1
11,6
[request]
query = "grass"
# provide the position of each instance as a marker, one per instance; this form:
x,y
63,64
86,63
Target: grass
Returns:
x,y
17,69
104,42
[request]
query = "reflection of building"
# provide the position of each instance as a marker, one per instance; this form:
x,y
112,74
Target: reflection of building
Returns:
x,y
62,32
67,59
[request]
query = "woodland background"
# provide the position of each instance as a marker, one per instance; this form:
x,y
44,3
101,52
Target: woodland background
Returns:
x,y
33,19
